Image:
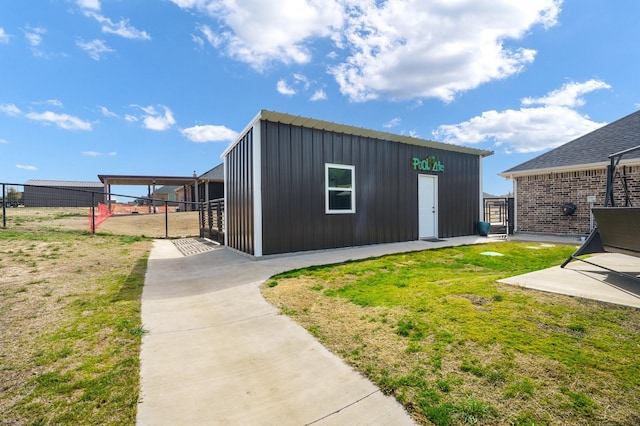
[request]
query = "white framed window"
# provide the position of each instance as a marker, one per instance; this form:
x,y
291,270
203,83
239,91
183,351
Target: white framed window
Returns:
x,y
340,184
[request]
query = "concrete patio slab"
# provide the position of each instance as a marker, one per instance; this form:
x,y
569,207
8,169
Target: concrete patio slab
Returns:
x,y
581,279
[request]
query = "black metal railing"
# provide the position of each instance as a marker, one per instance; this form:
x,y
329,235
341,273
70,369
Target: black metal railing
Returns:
x,y
212,220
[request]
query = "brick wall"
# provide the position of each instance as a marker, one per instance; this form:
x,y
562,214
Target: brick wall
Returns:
x,y
539,199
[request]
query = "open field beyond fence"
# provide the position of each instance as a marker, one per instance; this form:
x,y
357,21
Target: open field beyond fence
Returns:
x,y
155,225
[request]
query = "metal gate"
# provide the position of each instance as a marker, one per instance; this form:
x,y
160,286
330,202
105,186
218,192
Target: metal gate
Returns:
x,y
500,213
212,220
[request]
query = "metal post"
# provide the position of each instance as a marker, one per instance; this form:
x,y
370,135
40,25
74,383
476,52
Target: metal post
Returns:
x,y
166,219
4,207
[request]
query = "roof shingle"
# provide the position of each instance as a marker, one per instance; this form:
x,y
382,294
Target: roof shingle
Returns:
x,y
594,147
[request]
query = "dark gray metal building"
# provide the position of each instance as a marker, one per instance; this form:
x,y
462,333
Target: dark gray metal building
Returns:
x,y
56,193
296,184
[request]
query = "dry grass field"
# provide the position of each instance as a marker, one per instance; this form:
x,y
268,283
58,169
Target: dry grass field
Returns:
x,y
180,225
69,320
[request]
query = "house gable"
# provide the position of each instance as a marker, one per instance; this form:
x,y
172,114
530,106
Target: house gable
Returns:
x,y
590,151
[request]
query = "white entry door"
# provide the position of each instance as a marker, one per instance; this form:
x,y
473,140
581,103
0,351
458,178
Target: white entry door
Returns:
x,y
427,206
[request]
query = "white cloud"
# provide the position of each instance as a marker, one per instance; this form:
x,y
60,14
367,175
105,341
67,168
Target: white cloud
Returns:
x,y
95,48
26,167
34,35
569,95
89,4
406,49
208,33
286,27
121,28
52,102
318,95
4,37
198,40
300,83
105,111
4,141
98,154
398,49
154,120
10,109
131,118
34,39
209,133
285,89
529,129
392,123
64,121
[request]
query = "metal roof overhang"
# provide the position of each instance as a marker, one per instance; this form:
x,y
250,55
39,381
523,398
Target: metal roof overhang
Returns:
x,y
279,117
146,180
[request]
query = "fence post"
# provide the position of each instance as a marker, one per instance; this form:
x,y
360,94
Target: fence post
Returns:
x,y
166,219
93,212
4,207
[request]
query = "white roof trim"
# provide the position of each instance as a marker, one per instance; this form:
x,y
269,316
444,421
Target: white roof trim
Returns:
x,y
241,135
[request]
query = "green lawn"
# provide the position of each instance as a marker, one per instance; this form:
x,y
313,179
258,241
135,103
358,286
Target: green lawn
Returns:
x,y
435,330
71,328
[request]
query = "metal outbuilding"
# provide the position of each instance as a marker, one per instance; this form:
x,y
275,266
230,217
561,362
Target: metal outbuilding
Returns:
x,y
60,193
297,184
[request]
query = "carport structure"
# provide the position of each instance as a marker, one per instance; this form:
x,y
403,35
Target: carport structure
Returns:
x,y
151,181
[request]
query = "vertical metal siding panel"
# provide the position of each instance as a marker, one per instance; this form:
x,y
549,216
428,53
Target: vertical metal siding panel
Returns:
x,y
318,188
231,207
284,137
270,188
240,197
328,157
267,186
249,193
301,195
374,195
397,184
306,187
387,192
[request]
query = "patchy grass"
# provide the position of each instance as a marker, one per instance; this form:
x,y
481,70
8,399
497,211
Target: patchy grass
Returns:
x,y
71,329
435,330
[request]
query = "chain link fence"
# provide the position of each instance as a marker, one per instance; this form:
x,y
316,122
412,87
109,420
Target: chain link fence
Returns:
x,y
34,207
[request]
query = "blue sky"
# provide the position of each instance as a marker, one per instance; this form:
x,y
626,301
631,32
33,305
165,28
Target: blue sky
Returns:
x,y
161,87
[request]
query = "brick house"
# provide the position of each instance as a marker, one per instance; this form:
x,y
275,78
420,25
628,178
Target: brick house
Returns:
x,y
571,173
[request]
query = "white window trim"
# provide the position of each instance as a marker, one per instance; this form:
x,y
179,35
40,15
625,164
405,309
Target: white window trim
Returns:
x,y
327,189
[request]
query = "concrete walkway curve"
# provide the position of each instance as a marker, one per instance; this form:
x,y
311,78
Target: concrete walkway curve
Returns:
x,y
216,353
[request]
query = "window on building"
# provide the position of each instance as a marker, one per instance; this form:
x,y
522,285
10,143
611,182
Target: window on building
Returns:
x,y
340,188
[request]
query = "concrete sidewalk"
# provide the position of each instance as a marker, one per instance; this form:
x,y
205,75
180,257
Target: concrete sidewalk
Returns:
x,y
217,353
